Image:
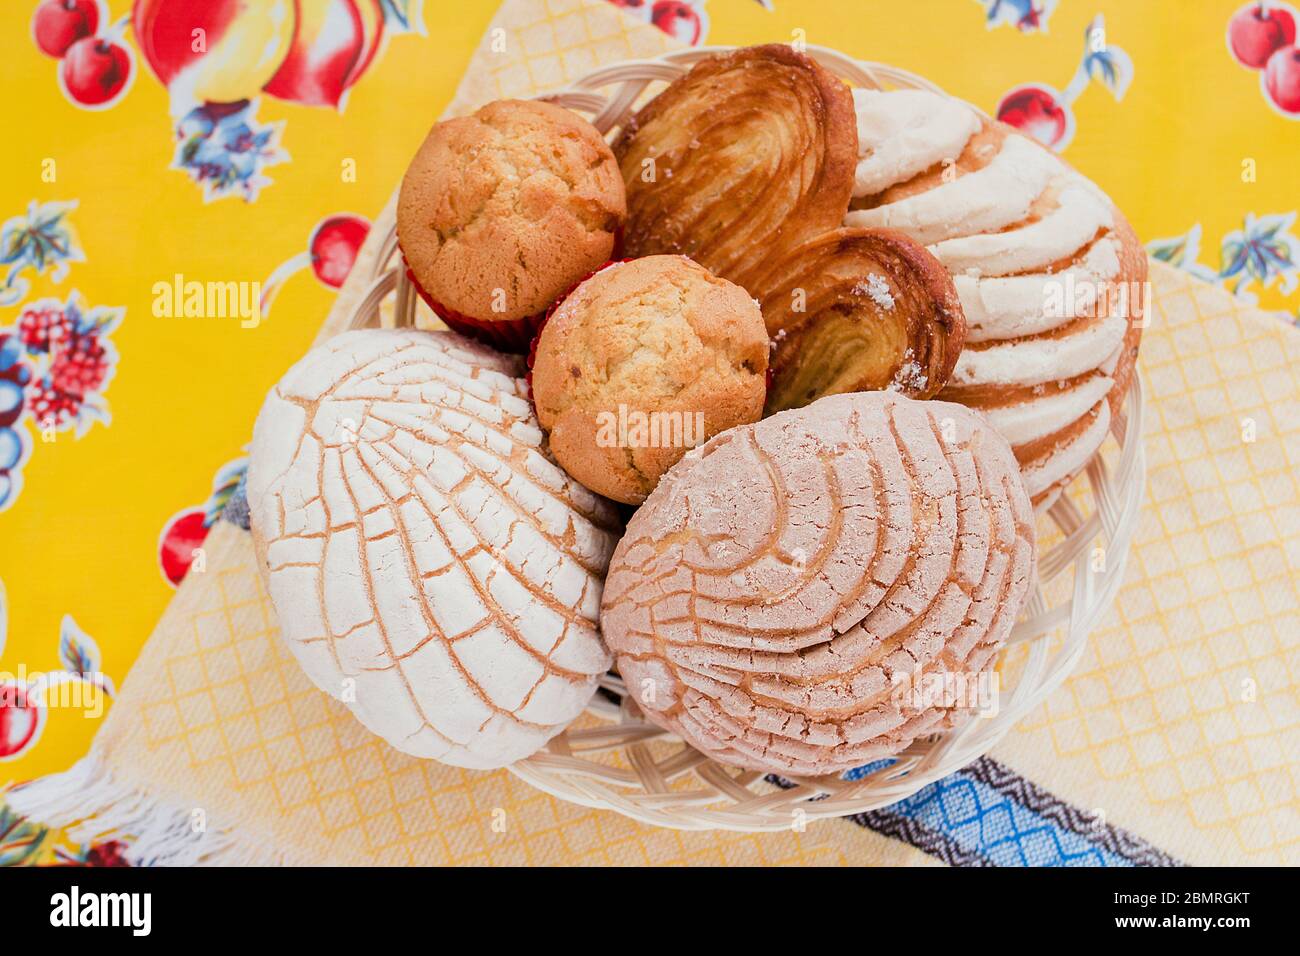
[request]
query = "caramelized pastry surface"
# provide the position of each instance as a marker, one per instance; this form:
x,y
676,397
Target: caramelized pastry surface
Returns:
x,y
860,310
746,156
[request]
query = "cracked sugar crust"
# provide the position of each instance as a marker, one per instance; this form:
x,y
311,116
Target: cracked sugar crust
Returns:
x,y
522,197
659,336
423,550
778,584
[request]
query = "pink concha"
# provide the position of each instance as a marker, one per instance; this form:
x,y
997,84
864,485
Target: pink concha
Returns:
x,y
817,590
429,563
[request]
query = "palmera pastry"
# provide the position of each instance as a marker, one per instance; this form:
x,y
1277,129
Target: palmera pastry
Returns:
x,y
430,565
860,310
792,593
1049,274
501,212
747,155
643,360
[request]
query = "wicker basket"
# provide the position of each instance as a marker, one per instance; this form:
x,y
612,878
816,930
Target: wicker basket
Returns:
x,y
613,759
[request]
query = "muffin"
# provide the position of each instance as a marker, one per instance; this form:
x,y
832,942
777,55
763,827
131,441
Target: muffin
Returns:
x,y
642,361
503,211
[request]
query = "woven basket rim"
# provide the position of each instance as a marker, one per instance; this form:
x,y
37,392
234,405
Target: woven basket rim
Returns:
x,y
643,784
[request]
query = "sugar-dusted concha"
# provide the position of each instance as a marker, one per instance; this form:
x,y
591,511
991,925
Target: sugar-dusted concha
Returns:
x,y
816,591
430,564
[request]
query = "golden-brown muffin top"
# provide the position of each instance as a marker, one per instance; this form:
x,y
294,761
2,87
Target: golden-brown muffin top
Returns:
x,y
503,211
657,336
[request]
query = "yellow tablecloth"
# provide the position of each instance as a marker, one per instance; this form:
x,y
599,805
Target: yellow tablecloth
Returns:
x,y
1179,729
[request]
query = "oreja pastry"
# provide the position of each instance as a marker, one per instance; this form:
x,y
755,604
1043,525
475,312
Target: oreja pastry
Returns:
x,y
790,595
501,212
747,155
644,360
1050,276
429,564
858,310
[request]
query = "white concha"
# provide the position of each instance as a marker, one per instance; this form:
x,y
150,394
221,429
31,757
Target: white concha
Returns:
x,y
429,563
1043,263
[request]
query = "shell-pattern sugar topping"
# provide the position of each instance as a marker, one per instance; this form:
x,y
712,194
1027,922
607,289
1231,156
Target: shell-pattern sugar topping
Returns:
x,y
430,564
784,593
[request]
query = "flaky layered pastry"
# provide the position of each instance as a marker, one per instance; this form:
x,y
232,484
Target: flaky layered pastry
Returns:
x,y
1050,275
430,564
857,310
747,155
791,595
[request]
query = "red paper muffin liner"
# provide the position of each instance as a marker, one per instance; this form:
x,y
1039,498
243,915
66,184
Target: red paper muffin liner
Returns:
x,y
506,335
517,336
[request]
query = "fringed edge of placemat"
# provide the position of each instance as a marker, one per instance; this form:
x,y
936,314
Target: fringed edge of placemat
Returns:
x,y
90,805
